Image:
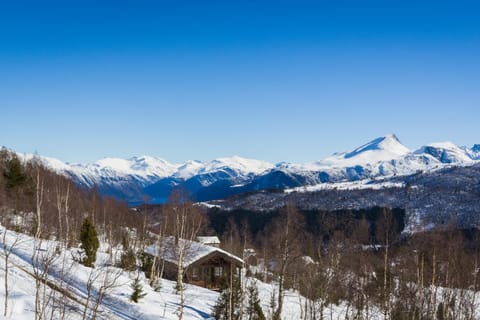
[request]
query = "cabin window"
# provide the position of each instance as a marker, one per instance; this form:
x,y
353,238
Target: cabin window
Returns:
x,y
195,273
218,271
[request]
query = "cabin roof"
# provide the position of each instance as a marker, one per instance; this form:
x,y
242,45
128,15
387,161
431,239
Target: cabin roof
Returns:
x,y
209,239
167,249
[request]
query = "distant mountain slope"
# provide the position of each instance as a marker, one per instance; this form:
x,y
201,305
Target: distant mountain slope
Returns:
x,y
149,179
439,198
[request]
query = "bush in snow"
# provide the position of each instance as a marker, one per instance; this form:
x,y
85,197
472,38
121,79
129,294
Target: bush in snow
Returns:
x,y
128,260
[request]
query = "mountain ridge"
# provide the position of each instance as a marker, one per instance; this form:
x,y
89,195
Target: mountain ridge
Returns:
x,y
145,177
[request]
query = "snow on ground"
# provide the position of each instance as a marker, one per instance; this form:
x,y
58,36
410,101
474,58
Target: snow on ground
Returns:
x,y
350,185
163,304
294,304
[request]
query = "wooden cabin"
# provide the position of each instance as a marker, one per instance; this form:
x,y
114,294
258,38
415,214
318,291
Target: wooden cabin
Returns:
x,y
209,241
206,266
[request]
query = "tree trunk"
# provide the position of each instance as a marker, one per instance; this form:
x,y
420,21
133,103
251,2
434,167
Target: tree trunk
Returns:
x,y
67,222
39,200
433,290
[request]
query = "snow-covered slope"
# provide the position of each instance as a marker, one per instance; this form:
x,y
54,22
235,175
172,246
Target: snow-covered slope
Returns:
x,y
143,168
381,149
446,152
236,165
151,169
139,177
67,275
474,153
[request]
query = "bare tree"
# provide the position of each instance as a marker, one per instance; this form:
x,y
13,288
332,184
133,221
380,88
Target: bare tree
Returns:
x,y
62,193
40,260
39,192
156,273
385,230
101,280
7,251
62,276
286,239
109,282
43,258
92,277
186,221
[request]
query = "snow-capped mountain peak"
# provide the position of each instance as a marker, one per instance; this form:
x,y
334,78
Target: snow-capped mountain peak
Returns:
x,y
445,152
152,165
389,143
142,166
242,166
188,169
133,179
384,148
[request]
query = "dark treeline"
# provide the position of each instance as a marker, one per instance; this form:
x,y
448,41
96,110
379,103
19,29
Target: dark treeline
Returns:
x,y
319,224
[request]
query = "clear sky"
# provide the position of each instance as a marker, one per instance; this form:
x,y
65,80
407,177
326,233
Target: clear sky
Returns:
x,y
273,80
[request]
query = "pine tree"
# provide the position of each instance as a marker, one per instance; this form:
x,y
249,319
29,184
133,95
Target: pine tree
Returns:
x,y
223,310
14,174
137,293
90,243
254,310
220,309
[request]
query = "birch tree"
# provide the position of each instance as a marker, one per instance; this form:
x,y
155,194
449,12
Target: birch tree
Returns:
x,y
385,232
186,221
62,193
286,241
7,249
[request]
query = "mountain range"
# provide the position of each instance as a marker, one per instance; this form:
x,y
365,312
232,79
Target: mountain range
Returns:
x,y
149,179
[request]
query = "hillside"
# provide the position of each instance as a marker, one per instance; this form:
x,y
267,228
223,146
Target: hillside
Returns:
x,y
68,290
442,197
72,277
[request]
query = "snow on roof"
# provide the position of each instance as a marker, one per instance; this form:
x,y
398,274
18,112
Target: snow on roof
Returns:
x,y
208,240
167,249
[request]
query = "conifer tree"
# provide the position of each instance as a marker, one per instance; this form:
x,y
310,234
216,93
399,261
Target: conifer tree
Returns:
x,y
14,175
254,310
90,243
228,304
137,293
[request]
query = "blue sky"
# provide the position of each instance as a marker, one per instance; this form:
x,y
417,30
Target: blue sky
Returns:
x,y
274,80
